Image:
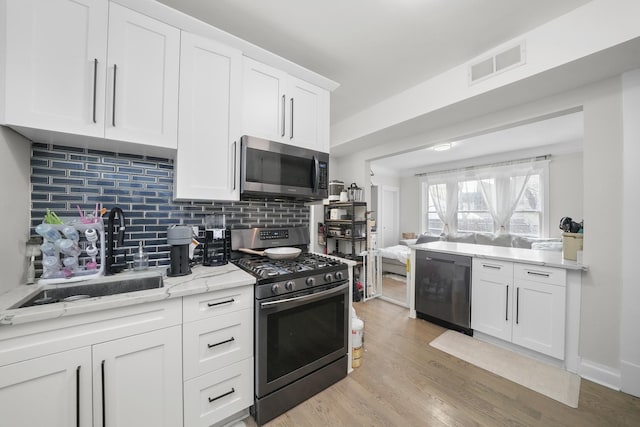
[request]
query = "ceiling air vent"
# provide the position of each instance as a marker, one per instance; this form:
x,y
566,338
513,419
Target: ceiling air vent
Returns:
x,y
499,62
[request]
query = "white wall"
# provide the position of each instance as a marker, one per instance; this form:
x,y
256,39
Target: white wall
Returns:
x,y
602,203
15,152
566,190
630,344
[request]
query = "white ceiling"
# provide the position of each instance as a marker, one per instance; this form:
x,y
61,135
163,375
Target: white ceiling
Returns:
x,y
375,48
550,136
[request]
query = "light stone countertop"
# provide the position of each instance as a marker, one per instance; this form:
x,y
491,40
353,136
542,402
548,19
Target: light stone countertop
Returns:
x,y
201,280
526,256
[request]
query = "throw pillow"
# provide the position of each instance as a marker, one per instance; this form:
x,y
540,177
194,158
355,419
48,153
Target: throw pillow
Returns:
x,y
494,239
461,237
426,238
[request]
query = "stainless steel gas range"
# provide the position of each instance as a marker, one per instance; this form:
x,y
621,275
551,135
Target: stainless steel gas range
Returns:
x,y
301,323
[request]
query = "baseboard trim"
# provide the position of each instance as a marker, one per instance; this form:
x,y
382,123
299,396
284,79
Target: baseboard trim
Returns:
x,y
630,378
600,374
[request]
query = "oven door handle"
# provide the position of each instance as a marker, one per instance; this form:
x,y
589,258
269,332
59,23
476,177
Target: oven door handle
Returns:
x,y
307,298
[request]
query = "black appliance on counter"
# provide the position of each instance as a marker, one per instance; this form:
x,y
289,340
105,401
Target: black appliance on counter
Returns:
x,y
443,289
270,170
301,323
179,238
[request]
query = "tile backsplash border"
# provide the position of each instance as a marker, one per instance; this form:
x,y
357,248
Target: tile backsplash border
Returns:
x,y
63,178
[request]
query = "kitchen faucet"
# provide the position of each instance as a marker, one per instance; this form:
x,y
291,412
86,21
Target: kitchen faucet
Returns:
x,y
111,266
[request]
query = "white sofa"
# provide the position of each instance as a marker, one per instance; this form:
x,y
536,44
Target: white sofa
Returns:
x,y
394,257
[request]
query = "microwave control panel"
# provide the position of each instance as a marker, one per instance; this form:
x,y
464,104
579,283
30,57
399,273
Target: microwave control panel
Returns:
x,y
323,176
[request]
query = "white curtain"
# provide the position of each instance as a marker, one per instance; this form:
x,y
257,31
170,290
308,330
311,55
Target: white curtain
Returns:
x,y
444,196
503,191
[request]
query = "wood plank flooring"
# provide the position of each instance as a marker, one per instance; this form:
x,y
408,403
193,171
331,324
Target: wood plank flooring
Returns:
x,y
403,381
395,289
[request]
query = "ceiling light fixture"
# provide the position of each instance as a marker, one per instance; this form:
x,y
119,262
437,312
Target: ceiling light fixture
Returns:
x,y
442,147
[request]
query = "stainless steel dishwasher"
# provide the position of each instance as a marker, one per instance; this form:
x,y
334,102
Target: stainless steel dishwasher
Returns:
x,y
443,289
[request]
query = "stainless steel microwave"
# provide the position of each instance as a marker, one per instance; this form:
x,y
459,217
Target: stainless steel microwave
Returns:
x,y
271,170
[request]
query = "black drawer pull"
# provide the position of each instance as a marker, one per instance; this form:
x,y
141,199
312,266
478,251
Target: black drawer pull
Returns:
x,y
213,304
496,267
533,273
221,342
78,396
213,399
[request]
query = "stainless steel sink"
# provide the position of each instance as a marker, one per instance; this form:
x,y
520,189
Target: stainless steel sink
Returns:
x,y
90,290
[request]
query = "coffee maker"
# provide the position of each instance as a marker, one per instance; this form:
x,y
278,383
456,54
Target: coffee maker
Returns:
x,y
216,241
179,237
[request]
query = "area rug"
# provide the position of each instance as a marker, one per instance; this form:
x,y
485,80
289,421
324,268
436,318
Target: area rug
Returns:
x,y
551,381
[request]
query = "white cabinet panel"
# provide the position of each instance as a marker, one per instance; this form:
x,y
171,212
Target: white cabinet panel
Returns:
x,y
210,304
143,71
55,59
212,343
141,377
540,317
52,391
217,395
520,303
264,101
282,108
209,121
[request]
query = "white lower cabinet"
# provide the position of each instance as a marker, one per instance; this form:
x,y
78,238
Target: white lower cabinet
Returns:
x,y
217,355
520,303
53,390
137,380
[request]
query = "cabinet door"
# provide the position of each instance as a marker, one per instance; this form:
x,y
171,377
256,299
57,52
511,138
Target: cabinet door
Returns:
x,y
207,161
539,322
53,391
264,101
55,65
491,293
137,380
307,115
142,79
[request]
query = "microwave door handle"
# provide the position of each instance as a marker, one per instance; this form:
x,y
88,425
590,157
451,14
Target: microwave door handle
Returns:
x,y
315,176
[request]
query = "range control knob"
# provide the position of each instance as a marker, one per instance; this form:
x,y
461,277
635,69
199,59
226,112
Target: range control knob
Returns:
x,y
310,281
275,289
290,285
339,275
328,277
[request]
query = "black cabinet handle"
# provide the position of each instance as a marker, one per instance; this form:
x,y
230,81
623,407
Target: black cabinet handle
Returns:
x,y
213,399
95,86
234,165
517,305
535,273
496,267
284,101
291,136
221,342
113,107
78,396
213,304
506,306
104,410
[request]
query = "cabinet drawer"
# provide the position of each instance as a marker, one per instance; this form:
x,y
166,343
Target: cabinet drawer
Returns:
x,y
202,306
217,395
540,274
492,270
210,344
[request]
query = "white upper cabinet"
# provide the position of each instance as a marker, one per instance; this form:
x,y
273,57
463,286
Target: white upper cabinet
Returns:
x,y
60,76
55,62
209,119
282,108
142,85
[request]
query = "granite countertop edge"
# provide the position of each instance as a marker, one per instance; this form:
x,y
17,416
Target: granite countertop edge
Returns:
x,y
201,280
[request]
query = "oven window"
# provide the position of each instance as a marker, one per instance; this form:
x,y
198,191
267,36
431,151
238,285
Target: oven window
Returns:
x,y
302,335
266,167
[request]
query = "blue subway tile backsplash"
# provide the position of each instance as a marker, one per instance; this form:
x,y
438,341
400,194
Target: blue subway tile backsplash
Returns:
x,y
63,178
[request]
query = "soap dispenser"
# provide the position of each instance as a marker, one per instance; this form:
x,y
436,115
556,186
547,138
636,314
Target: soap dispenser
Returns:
x,y
140,259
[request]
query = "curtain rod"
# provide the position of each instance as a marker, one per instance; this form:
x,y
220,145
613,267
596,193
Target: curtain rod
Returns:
x,y
469,168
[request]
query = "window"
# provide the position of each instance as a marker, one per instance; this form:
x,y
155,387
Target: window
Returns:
x,y
500,198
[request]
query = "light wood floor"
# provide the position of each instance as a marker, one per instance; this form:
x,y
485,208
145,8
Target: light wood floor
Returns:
x,y
395,289
403,381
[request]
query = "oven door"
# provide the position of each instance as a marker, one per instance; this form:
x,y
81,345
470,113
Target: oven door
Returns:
x,y
299,333
272,169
